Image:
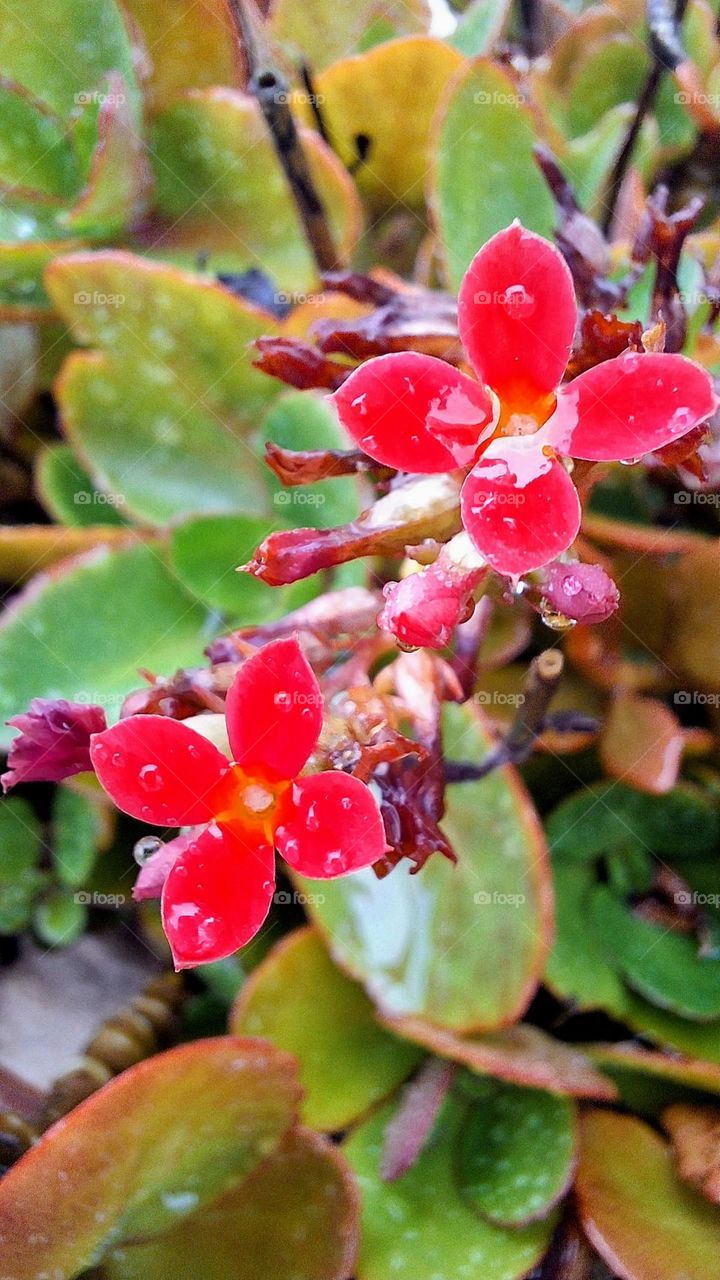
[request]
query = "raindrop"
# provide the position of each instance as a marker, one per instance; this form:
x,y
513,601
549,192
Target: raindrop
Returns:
x,y
151,778
554,619
517,303
145,849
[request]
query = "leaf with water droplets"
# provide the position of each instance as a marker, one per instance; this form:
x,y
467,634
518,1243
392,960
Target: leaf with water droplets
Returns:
x,y
420,1225
294,1218
173,385
301,1002
220,189
515,1152
156,1144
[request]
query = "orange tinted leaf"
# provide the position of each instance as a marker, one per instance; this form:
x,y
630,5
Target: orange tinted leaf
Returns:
x,y
695,1132
294,1218
642,744
522,1055
158,1141
644,1222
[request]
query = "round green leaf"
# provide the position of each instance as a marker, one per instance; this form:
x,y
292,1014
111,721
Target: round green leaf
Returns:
x,y
20,876
460,946
485,174
77,829
60,918
684,823
159,1142
220,188
162,416
579,971
301,1002
35,152
68,492
515,1152
61,52
420,1225
644,1222
302,420
660,965
294,1218
84,632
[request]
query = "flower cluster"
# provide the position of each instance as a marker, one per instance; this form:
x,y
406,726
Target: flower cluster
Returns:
x,y
513,428
218,883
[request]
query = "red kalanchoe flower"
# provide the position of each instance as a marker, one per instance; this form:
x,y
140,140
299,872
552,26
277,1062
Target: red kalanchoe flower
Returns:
x,y
517,316
53,741
218,889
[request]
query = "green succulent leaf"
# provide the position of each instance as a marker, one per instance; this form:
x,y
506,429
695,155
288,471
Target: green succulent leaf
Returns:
x,y
458,946
302,1003
484,172
515,1152
420,1225
61,639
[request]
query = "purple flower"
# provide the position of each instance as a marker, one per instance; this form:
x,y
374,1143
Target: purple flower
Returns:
x,y
53,742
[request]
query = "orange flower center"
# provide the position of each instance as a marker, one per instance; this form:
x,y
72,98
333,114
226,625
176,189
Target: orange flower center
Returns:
x,y
524,414
250,800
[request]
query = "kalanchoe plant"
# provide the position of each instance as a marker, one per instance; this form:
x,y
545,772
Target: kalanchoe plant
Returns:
x,y
219,888
514,426
509,434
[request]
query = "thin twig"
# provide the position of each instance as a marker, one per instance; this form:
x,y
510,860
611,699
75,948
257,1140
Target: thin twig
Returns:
x,y
667,53
272,93
530,719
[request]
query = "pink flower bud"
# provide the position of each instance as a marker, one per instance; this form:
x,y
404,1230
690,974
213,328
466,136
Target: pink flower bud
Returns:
x,y
584,592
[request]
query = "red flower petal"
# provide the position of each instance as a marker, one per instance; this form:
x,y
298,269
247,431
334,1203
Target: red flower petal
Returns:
x,y
414,412
158,770
516,314
520,508
329,824
217,895
274,711
629,406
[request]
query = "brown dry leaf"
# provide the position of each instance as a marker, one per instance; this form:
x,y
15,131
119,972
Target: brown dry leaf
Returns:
x,y
695,1132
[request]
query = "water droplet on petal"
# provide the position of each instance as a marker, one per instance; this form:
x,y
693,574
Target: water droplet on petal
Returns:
x,y
151,778
517,302
145,849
